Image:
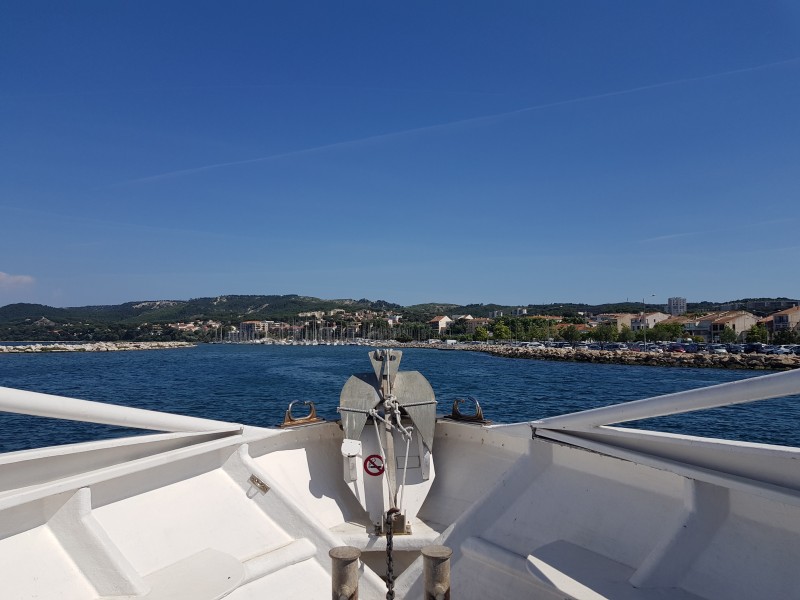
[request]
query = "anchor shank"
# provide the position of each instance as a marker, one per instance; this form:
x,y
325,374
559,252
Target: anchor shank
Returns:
x,y
389,463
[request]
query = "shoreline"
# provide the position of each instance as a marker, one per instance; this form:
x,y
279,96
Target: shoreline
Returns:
x,y
758,362
93,347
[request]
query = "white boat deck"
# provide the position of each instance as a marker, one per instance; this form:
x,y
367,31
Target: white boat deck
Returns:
x,y
530,511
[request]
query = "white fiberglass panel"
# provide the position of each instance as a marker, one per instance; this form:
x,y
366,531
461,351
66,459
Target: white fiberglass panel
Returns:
x,y
33,565
764,538
313,478
474,578
303,580
469,462
614,508
165,525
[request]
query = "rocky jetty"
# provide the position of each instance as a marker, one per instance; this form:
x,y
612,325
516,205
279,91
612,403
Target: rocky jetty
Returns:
x,y
93,347
666,359
628,357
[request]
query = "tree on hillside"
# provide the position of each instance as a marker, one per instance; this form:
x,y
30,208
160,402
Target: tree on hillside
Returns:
x,y
458,328
786,336
665,331
501,331
605,333
540,329
571,334
756,334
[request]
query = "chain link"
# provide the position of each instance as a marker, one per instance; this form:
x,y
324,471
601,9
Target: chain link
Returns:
x,y
390,515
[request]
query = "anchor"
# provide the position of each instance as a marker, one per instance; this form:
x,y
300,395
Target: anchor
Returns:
x,y
402,408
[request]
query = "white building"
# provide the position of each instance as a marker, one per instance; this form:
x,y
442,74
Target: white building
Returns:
x,y
676,306
648,320
440,323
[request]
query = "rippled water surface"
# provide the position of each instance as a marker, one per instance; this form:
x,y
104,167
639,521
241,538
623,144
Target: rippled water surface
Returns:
x,y
253,385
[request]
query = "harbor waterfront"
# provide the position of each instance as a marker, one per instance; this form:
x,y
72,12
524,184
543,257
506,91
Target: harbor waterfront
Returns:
x,y
253,384
624,357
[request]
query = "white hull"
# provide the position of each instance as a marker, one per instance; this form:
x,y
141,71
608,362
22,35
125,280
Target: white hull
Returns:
x,y
534,510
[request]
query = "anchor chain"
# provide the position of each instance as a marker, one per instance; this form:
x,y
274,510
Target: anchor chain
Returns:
x,y
390,515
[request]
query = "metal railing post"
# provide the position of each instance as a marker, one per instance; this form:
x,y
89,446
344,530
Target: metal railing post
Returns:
x,y
436,572
344,572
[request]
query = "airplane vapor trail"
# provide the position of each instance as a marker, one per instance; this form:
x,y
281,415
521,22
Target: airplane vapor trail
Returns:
x,y
453,124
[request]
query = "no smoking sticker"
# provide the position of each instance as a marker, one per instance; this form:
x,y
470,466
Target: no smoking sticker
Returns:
x,y
373,465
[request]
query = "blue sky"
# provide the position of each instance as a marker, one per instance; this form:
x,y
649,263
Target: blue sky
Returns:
x,y
508,152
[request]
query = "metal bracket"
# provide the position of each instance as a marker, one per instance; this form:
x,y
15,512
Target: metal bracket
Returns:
x,y
457,415
290,421
401,527
258,484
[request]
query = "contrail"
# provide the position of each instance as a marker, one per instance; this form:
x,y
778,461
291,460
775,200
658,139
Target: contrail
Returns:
x,y
748,227
670,236
452,124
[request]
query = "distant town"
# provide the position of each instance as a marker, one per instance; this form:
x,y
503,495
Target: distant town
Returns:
x,y
247,319
732,324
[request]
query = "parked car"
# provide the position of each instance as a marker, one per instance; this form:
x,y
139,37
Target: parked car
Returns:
x,y
677,348
615,346
718,349
784,349
753,347
532,344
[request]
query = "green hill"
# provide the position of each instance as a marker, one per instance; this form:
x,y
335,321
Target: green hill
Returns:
x,y
226,308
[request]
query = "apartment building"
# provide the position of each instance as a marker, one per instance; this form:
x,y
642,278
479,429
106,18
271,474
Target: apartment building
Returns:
x,y
711,326
615,319
473,324
786,320
440,323
676,306
648,320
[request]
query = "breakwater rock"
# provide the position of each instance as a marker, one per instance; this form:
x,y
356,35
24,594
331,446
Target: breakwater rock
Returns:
x,y
628,357
93,347
666,359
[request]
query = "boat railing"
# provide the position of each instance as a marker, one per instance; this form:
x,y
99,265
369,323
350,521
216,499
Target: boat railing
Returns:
x,y
60,407
776,385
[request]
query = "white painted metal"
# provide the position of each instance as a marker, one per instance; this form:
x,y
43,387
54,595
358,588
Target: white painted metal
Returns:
x,y
387,450
373,491
775,385
60,407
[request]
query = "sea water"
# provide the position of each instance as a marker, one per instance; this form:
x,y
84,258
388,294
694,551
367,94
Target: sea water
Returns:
x,y
253,384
